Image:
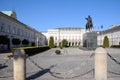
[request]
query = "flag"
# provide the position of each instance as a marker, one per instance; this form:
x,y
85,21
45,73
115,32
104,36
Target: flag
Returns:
x,y
101,26
94,27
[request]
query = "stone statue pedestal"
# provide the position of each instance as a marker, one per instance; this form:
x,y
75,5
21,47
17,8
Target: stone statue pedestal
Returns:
x,y
90,40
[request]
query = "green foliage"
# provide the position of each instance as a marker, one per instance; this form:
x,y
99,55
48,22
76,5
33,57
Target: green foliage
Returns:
x,y
32,50
51,42
25,42
115,46
60,45
33,43
64,43
106,42
58,52
75,46
4,39
16,41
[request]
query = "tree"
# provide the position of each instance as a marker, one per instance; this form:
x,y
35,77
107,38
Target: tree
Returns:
x,y
16,41
51,42
33,44
25,42
4,39
106,42
64,43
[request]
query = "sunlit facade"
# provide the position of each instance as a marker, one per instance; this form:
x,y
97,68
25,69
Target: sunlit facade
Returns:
x,y
113,34
13,28
74,36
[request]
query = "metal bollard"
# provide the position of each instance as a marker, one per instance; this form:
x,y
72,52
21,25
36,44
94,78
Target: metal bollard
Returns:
x,y
100,64
19,64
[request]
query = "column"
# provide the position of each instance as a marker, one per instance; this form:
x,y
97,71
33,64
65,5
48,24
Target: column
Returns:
x,y
100,64
19,64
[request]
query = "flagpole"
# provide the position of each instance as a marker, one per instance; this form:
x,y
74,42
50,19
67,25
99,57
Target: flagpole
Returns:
x,y
101,33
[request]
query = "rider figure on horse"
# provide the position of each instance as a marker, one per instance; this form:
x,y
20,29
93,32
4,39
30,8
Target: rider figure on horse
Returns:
x,y
89,24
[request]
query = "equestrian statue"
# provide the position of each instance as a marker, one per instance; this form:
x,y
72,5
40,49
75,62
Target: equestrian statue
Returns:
x,y
89,24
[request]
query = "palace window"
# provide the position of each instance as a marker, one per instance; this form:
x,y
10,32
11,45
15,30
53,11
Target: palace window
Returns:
x,y
2,27
13,30
55,38
18,31
8,30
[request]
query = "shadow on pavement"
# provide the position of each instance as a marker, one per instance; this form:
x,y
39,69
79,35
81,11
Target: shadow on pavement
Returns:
x,y
3,66
40,73
5,51
85,49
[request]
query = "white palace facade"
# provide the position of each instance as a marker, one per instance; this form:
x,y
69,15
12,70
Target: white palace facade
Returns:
x,y
13,28
113,34
74,36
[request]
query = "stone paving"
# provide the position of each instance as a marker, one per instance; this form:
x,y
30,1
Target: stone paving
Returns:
x,y
72,64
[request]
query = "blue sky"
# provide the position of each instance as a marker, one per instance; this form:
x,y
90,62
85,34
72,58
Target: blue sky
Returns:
x,y
46,14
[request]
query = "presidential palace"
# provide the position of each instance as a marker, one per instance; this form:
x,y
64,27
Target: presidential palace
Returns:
x,y
12,29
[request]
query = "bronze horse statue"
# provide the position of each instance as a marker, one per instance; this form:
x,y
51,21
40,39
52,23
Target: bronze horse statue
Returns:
x,y
89,24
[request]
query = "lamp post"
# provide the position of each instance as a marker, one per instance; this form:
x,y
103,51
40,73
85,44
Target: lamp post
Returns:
x,y
112,37
59,36
37,42
100,38
11,37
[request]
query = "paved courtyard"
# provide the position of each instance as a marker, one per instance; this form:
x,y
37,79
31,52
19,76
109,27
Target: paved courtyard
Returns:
x,y
72,64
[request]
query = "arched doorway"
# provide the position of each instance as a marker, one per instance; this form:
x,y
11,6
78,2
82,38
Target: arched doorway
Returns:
x,y
79,43
72,43
75,43
69,44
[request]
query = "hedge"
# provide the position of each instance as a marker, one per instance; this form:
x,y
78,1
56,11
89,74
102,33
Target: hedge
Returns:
x,y
115,46
32,50
58,52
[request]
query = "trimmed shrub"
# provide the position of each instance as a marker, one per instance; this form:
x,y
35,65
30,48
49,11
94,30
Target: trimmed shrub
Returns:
x,y
58,52
106,42
60,45
64,43
51,42
25,42
4,39
33,44
16,41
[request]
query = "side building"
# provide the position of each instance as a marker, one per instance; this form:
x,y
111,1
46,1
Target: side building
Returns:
x,y
113,34
74,36
18,33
